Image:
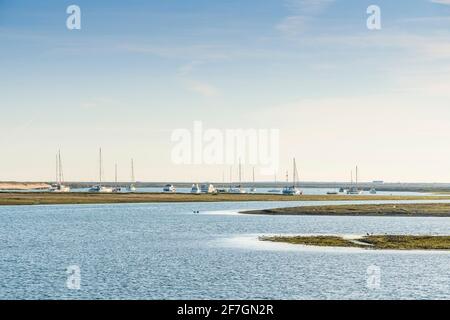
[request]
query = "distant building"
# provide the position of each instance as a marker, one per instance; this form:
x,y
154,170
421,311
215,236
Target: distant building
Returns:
x,y
378,181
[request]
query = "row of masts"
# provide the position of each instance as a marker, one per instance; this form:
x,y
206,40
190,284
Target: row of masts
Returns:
x,y
253,175
59,174
101,188
115,169
289,190
59,170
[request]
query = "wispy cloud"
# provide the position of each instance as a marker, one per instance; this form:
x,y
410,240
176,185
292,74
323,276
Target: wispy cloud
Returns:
x,y
447,2
187,69
293,25
308,6
204,89
302,13
424,48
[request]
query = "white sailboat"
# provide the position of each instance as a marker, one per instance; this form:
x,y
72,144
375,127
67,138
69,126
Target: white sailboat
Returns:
x,y
292,190
207,188
116,186
195,189
354,188
238,188
275,190
169,188
132,187
253,188
59,185
222,188
99,188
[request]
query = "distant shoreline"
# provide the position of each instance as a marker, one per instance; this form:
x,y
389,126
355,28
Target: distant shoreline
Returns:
x,y
385,187
376,210
48,198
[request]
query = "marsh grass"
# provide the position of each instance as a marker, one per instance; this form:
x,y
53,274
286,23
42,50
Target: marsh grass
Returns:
x,y
380,242
402,210
31,198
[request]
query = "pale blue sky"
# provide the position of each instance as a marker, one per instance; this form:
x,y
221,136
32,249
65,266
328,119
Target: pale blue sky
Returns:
x,y
340,94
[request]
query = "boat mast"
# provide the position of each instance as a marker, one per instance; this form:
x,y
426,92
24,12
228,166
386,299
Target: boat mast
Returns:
x,y
115,174
253,175
100,166
57,170
61,175
294,169
240,171
356,177
132,171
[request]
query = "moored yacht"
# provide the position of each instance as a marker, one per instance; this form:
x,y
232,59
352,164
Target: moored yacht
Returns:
x,y
59,186
132,187
195,189
169,188
237,189
207,188
275,190
293,190
253,188
100,188
116,188
354,188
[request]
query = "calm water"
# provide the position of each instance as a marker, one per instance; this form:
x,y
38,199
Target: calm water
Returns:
x,y
164,251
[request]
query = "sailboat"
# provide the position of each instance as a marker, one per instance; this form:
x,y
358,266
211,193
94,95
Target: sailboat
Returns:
x,y
292,190
59,186
195,189
238,188
275,190
99,188
131,187
116,186
207,188
253,188
169,188
354,189
222,188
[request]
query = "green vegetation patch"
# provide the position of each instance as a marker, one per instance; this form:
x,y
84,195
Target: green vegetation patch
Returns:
x,y
395,242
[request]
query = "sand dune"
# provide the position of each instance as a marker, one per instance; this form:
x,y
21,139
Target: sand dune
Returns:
x,y
23,185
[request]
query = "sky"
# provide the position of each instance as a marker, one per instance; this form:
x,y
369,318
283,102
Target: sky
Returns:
x,y
340,94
